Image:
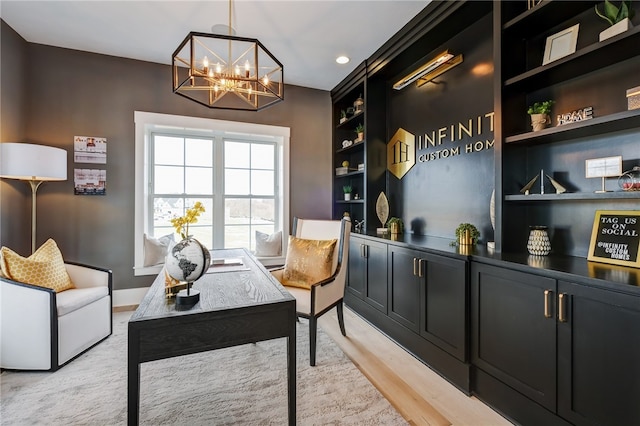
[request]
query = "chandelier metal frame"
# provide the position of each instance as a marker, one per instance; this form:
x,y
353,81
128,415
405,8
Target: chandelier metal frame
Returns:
x,y
227,71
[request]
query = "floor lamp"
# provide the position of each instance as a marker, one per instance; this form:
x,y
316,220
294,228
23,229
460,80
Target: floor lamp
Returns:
x,y
34,164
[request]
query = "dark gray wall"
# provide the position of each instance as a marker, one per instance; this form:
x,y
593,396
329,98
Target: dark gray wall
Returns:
x,y
13,123
77,93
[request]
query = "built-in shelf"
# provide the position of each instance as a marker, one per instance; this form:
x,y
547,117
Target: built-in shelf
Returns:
x,y
591,196
353,147
359,201
595,126
350,174
349,120
591,58
547,14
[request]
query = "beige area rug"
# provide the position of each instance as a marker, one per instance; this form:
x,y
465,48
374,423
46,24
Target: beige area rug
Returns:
x,y
240,385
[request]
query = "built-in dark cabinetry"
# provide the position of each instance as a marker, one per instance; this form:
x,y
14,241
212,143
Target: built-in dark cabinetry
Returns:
x,y
424,304
569,348
544,340
405,286
427,294
598,353
367,263
596,75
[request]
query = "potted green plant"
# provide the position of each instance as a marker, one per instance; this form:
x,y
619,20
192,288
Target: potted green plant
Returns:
x,y
539,113
347,192
343,116
360,132
619,18
395,225
467,234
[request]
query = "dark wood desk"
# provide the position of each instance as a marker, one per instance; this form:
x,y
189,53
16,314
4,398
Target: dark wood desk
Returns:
x,y
236,307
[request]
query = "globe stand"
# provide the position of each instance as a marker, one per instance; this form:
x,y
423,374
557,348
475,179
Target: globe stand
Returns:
x,y
186,299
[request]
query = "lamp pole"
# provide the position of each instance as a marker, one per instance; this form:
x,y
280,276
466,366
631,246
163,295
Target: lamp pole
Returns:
x,y
34,184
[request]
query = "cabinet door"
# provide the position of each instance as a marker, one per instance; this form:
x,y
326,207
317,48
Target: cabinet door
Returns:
x,y
376,277
444,304
599,356
404,287
512,338
357,268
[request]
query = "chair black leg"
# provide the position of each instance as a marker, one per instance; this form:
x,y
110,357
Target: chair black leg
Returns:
x,y
312,340
341,318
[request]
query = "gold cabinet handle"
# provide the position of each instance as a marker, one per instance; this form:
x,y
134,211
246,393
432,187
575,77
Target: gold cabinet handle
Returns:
x,y
415,268
547,303
562,315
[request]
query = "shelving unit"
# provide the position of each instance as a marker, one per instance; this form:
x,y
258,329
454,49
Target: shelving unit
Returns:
x,y
367,181
596,75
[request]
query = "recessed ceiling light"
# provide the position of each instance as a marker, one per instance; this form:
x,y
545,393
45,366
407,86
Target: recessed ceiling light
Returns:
x,y
342,59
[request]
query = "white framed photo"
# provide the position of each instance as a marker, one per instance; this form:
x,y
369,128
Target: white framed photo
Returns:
x,y
561,44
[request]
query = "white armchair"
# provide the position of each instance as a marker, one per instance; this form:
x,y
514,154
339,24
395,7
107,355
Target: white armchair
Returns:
x,y
43,330
327,293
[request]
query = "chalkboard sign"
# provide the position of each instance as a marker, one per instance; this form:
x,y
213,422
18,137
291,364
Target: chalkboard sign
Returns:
x,y
616,237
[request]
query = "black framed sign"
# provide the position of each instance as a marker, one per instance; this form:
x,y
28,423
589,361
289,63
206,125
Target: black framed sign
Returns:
x,y
615,238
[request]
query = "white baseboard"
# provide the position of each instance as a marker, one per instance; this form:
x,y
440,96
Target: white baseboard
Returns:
x,y
129,296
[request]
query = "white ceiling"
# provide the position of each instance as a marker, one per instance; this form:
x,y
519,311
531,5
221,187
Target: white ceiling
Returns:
x,y
305,35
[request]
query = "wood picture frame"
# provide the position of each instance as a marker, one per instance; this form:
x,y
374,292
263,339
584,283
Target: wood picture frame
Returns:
x,y
615,238
561,44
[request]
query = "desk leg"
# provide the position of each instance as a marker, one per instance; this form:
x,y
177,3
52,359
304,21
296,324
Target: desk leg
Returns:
x,y
133,379
291,373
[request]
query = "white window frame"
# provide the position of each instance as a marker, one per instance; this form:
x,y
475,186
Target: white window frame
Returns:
x,y
146,122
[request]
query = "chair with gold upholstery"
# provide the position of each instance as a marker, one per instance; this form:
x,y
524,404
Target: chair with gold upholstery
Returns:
x,y
315,270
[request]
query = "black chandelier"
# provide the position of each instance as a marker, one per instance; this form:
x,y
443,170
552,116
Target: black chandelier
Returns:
x,y
226,71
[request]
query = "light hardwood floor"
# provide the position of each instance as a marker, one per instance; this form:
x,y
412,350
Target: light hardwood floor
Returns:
x,y
419,394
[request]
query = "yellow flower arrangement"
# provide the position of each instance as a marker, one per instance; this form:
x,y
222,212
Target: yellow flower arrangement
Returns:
x,y
182,223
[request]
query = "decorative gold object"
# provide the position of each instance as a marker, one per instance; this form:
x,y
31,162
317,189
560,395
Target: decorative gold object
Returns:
x,y
401,153
559,188
382,210
525,190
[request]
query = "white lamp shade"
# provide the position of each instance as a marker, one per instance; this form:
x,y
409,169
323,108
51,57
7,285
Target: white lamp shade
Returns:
x,y
32,162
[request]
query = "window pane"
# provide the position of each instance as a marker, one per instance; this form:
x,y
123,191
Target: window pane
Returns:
x,y
199,180
262,156
237,211
236,182
262,182
263,211
168,180
236,154
199,152
168,150
163,210
237,236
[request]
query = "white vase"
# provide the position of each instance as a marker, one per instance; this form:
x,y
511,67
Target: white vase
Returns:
x,y
347,196
616,29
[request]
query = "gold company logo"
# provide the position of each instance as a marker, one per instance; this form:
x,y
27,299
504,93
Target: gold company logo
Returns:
x,y
401,153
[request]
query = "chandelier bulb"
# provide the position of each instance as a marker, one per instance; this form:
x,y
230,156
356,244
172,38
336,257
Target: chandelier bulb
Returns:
x,y
205,64
265,80
218,68
237,70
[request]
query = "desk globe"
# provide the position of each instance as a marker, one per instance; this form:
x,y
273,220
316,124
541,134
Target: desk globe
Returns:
x,y
188,261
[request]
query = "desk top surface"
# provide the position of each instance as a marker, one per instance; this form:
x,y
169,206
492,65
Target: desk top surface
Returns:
x,y
222,288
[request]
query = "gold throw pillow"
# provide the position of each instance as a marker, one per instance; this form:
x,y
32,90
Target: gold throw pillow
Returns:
x,y
45,267
308,262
